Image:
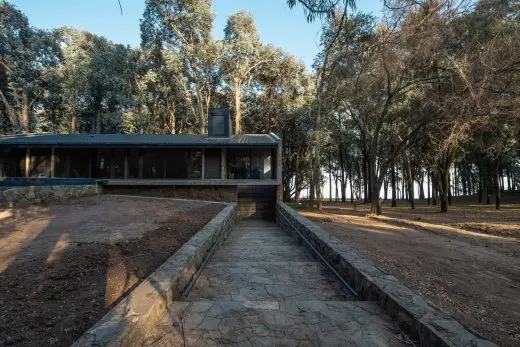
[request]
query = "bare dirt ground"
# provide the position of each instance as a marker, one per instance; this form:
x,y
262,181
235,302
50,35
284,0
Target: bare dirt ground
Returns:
x,y
466,261
63,266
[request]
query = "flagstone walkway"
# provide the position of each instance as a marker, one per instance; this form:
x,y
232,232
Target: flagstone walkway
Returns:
x,y
262,288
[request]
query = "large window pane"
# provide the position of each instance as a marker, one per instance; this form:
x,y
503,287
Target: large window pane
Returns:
x,y
212,159
12,162
104,157
133,162
153,163
80,162
40,162
195,164
118,162
176,163
239,163
261,164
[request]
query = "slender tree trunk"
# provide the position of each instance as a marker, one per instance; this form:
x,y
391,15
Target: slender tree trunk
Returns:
x,y
330,182
238,110
394,186
497,184
450,196
434,190
365,179
488,183
444,188
480,182
98,116
428,178
336,186
73,112
375,188
25,113
385,185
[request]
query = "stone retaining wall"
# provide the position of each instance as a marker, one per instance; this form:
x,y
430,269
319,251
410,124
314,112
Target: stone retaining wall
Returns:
x,y
28,195
129,321
419,317
213,193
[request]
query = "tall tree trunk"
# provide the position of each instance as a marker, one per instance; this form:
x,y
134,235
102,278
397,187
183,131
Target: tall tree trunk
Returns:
x,y
410,181
434,190
24,116
342,176
365,179
330,182
336,179
97,108
385,187
394,186
489,178
480,182
428,174
497,184
444,188
420,182
375,188
450,196
73,112
238,110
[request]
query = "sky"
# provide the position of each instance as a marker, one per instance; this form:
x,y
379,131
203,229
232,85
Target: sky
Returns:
x,y
276,23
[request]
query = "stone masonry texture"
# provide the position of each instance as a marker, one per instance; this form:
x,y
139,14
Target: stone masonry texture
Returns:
x,y
28,195
419,317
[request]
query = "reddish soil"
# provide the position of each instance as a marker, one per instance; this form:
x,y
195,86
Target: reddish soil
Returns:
x,y
65,265
473,274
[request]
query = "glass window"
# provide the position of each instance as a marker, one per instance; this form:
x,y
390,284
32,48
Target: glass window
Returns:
x,y
133,162
212,163
12,162
118,163
153,163
103,161
195,164
239,163
176,163
40,162
261,164
80,162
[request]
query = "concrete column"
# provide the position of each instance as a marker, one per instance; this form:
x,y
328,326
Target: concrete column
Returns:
x,y
53,161
203,170
27,161
223,164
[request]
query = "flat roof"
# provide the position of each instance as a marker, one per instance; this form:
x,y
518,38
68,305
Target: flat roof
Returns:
x,y
240,140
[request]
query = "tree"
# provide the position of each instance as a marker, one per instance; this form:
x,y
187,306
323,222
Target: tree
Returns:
x,y
241,57
184,27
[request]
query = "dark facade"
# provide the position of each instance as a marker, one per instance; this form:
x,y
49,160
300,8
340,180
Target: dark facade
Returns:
x,y
218,166
141,157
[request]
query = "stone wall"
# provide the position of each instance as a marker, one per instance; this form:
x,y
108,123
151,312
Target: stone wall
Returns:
x,y
12,196
128,323
417,316
210,193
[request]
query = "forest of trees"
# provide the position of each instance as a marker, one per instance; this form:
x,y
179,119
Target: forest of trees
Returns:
x,y
427,95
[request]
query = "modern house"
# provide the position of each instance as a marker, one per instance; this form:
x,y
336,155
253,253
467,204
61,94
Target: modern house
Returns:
x,y
218,165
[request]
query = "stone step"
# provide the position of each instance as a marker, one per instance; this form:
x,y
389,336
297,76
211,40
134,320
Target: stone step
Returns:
x,y
267,323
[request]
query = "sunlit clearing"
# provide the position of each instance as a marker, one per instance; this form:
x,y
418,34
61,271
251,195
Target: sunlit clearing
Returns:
x,y
62,243
17,238
6,214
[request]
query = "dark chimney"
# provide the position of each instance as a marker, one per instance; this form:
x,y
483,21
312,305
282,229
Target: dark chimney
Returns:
x,y
219,123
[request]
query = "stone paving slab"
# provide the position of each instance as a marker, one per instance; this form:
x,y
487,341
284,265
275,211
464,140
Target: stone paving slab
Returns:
x,y
268,323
